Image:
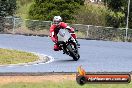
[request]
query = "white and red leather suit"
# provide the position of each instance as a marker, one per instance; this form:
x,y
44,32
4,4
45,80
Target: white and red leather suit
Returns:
x,y
54,29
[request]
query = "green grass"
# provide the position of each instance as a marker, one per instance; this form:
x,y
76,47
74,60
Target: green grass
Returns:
x,y
15,57
63,84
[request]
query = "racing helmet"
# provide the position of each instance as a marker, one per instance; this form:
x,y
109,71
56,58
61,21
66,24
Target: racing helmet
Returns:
x,y
57,20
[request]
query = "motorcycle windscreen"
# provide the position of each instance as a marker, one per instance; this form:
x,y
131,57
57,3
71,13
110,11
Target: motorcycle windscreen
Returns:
x,y
63,35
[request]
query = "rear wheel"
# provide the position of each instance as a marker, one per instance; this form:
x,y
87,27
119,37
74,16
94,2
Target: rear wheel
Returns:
x,y
73,52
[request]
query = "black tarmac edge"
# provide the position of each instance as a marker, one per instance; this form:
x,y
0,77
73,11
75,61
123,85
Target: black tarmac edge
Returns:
x,y
54,73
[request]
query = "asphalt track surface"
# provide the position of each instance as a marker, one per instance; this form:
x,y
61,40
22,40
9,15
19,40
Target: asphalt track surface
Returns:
x,y
96,56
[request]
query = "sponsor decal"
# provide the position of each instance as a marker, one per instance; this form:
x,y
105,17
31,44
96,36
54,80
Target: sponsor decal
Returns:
x,y
83,77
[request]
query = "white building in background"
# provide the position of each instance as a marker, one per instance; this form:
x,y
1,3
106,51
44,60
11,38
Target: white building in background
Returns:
x,y
95,0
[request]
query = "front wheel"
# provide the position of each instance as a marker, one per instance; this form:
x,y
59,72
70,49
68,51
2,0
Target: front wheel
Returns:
x,y
73,53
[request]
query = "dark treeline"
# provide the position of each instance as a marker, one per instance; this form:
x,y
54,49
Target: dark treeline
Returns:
x,y
73,11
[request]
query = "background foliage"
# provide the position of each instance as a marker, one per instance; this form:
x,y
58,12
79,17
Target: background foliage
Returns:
x,y
111,13
47,9
130,16
7,7
119,15
92,14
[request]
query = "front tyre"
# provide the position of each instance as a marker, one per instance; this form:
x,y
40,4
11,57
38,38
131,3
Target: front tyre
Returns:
x,y
73,53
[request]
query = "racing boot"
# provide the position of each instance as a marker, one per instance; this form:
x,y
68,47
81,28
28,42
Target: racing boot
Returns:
x,y
56,47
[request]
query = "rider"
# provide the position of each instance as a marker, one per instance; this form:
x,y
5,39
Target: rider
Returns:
x,y
54,29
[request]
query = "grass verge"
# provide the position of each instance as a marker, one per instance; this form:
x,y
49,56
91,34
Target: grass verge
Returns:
x,y
15,57
63,84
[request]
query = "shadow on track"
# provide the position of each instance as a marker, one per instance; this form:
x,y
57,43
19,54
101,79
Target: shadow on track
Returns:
x,y
67,60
